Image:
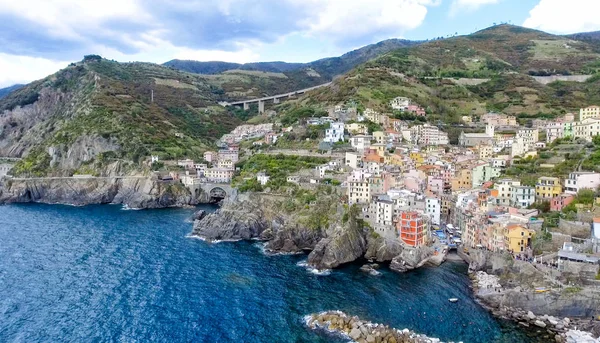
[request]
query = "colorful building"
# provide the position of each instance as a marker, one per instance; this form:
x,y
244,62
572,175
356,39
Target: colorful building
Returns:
x,y
559,202
517,237
547,188
411,228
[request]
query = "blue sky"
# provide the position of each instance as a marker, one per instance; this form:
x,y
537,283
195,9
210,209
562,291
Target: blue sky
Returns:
x,y
38,37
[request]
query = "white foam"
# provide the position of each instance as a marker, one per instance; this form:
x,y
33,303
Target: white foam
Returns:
x,y
320,272
211,241
127,208
263,248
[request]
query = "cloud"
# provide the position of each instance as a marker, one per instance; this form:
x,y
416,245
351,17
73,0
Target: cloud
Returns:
x,y
469,5
560,16
23,69
68,29
346,21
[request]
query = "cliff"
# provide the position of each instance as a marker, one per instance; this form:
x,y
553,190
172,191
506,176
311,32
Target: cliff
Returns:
x,y
335,242
136,192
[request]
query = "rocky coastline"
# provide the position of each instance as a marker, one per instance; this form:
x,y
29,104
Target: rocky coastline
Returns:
x,y
507,288
362,331
135,193
251,216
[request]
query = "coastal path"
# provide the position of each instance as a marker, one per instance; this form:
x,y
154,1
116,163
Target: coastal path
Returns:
x,y
82,177
332,155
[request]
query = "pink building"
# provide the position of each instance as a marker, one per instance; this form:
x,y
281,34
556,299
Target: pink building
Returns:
x,y
435,185
561,201
581,180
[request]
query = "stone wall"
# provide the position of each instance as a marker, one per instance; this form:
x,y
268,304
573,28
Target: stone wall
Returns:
x,y
575,229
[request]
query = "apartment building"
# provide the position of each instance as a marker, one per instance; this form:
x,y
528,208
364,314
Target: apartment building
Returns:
x,y
547,188
581,180
589,112
412,228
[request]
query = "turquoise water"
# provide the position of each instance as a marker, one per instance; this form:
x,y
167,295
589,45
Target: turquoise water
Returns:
x,y
101,274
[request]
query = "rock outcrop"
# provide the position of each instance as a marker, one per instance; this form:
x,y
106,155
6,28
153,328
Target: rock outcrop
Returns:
x,y
381,249
133,192
411,258
344,245
235,220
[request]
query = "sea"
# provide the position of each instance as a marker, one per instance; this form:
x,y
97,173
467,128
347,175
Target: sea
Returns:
x,y
107,274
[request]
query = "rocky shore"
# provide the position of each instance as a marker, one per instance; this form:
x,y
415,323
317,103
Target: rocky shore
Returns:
x,y
250,216
490,292
138,193
363,331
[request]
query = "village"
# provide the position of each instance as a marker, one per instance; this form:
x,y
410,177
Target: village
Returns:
x,y
412,185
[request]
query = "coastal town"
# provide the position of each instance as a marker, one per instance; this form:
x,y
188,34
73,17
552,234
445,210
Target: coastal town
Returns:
x,y
412,185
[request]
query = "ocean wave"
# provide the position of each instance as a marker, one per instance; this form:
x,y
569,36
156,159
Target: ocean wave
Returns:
x,y
323,272
127,208
262,246
204,239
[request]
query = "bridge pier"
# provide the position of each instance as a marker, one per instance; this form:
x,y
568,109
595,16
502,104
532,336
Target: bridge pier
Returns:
x,y
261,106
246,106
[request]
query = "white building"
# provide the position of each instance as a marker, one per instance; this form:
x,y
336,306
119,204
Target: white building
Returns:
x,y
433,208
361,142
382,210
400,103
353,160
522,196
335,133
581,180
554,131
219,175
587,128
262,178
505,189
428,135
530,136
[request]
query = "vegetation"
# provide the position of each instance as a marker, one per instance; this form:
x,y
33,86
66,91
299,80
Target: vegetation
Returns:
x,y
277,167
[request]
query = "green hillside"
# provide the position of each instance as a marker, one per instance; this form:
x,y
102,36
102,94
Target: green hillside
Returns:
x,y
96,113
489,70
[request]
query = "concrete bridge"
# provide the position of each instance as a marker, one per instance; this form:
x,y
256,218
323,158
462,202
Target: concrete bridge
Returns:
x,y
275,98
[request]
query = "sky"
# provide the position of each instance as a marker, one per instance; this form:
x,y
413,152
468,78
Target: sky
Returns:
x,y
39,37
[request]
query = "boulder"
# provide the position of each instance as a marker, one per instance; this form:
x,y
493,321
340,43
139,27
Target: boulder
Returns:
x,y
355,334
530,315
539,323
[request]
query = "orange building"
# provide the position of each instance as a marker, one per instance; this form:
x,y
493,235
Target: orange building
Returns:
x,y
411,228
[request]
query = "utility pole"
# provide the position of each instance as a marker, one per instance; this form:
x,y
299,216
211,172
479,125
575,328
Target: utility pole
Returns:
x,y
152,96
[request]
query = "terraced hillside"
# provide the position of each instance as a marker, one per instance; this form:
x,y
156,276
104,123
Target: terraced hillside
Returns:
x,y
489,70
103,117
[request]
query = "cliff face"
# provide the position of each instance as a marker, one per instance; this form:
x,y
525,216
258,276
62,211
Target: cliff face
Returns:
x,y
133,192
254,216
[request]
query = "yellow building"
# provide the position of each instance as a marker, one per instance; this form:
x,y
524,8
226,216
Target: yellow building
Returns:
x,y
485,151
463,180
381,149
395,159
547,188
357,128
517,237
589,112
379,137
417,157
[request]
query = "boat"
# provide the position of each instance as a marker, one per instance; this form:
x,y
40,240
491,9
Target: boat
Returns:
x,y
453,300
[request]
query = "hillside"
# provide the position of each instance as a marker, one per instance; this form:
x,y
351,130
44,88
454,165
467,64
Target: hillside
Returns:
x,y
489,70
5,91
234,77
97,116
